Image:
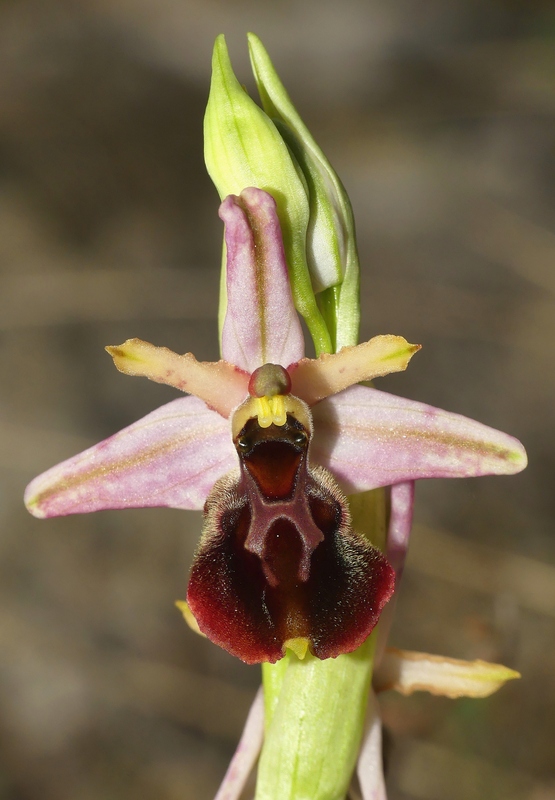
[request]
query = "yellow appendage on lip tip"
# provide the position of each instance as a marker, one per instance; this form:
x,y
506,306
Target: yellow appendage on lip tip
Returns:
x,y
271,410
299,645
188,616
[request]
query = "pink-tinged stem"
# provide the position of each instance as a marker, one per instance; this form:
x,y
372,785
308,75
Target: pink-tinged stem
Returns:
x,y
370,760
246,754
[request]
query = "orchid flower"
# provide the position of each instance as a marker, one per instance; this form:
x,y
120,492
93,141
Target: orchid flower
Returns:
x,y
269,443
249,592
324,589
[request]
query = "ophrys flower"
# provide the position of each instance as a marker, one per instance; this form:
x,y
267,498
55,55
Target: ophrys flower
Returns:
x,y
278,563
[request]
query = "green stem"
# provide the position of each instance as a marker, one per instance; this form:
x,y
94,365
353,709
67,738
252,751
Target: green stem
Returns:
x,y
312,740
315,709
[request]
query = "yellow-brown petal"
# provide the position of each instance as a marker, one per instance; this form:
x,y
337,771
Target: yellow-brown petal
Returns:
x,y
409,672
313,379
221,385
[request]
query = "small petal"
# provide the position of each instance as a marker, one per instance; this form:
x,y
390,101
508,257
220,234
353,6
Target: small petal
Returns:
x,y
261,325
409,672
171,457
370,760
183,606
313,379
221,385
247,752
368,438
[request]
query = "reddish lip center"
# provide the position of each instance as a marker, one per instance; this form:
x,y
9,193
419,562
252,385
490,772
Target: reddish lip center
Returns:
x,y
274,465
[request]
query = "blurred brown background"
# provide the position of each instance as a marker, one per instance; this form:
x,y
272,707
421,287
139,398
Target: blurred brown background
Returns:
x,y
439,116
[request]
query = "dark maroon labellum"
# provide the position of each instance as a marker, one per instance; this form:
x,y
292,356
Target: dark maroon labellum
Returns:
x,y
278,558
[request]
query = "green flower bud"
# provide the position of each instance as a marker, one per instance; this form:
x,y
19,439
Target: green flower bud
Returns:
x,y
331,242
244,148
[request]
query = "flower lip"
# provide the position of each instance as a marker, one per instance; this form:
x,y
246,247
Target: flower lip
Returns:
x,y
279,561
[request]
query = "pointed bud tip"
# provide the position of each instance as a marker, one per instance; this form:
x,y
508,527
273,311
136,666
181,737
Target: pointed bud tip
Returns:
x,y
222,70
220,48
255,45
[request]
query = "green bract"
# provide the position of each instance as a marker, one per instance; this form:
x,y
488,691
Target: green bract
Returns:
x,y
331,242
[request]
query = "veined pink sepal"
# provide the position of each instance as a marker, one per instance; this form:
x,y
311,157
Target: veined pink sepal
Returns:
x,y
261,325
172,457
369,438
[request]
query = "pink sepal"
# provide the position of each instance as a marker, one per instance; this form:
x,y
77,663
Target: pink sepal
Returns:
x,y
261,325
172,457
368,438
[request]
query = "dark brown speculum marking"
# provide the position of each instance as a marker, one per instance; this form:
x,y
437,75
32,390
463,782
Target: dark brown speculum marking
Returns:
x,y
279,559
